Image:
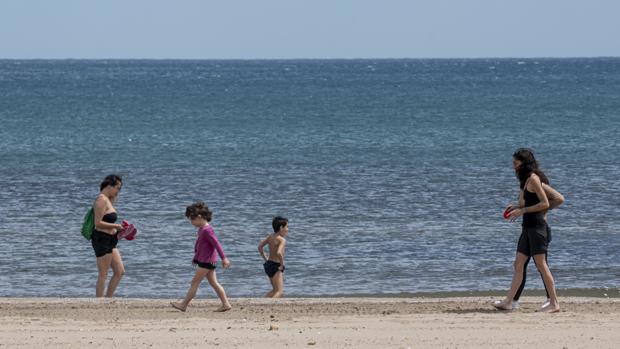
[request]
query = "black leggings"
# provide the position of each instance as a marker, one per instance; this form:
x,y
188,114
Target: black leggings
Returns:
x,y
520,290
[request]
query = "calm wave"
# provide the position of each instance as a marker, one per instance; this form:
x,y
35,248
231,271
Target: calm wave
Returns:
x,y
393,173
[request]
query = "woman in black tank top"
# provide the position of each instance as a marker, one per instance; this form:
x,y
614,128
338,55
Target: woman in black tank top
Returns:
x,y
555,200
533,242
104,237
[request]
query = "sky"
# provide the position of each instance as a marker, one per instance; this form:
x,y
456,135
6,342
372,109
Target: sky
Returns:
x,y
292,29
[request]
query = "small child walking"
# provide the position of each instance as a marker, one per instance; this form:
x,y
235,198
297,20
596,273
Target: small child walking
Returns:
x,y
274,265
205,257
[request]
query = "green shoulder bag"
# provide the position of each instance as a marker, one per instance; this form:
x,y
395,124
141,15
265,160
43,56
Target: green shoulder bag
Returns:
x,y
89,224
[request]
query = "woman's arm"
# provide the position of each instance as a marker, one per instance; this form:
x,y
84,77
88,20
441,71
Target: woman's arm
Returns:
x,y
543,205
520,204
555,198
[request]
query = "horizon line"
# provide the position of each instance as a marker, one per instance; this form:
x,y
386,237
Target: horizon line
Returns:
x,y
302,59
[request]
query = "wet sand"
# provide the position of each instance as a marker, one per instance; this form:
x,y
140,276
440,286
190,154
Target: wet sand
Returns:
x,y
467,322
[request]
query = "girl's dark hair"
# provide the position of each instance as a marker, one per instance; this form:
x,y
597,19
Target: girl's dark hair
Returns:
x,y
110,180
528,166
198,209
278,222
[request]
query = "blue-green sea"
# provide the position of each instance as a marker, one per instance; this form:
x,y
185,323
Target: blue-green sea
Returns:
x,y
393,173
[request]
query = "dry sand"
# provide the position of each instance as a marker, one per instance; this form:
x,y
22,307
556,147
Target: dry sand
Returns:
x,y
307,323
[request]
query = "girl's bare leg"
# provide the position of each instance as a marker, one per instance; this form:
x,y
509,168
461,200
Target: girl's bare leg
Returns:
x,y
103,264
118,270
543,268
517,278
193,288
212,278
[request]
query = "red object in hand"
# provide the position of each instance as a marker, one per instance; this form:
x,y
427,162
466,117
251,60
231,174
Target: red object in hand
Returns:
x,y
128,232
507,213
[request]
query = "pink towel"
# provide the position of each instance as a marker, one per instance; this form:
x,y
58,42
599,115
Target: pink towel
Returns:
x,y
128,232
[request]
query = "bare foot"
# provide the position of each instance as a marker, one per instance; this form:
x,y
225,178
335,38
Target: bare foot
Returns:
x,y
500,305
551,308
178,306
223,308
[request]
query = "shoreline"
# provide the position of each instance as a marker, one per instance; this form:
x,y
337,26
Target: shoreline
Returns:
x,y
420,298
357,322
602,293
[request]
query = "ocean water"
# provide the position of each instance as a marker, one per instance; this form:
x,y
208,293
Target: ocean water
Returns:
x,y
393,173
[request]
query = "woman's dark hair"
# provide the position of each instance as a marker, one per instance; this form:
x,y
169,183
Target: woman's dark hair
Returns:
x,y
198,209
110,180
528,166
278,222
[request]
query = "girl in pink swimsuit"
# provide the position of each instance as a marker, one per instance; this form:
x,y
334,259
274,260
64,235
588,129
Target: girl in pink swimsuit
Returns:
x,y
206,250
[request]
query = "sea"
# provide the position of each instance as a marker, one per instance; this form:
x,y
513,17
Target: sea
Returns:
x,y
393,173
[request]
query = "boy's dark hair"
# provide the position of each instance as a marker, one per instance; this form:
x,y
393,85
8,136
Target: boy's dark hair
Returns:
x,y
278,222
198,209
110,180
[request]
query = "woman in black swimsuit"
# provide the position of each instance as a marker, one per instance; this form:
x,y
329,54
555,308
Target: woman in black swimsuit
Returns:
x,y
104,237
555,200
533,242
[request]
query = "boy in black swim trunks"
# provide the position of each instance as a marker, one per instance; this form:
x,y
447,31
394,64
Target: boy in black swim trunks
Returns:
x,y
274,265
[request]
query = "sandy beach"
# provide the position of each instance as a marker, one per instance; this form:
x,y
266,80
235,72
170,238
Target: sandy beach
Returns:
x,y
307,322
